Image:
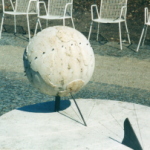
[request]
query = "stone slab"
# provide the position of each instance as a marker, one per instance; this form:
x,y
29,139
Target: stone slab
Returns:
x,y
39,127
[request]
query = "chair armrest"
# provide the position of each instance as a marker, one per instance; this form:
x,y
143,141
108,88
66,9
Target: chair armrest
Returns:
x,y
42,2
66,8
92,11
122,8
146,19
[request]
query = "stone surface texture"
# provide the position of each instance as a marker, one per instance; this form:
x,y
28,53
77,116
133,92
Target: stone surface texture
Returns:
x,y
59,60
38,127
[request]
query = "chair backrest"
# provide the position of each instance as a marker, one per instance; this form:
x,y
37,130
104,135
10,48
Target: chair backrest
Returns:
x,y
111,9
57,7
6,2
147,16
22,6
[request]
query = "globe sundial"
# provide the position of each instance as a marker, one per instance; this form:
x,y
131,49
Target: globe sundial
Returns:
x,y
59,61
59,124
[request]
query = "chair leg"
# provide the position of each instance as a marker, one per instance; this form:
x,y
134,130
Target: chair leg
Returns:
x,y
63,22
144,35
36,26
90,30
1,26
28,26
46,23
15,24
120,36
98,31
140,38
40,24
127,32
72,23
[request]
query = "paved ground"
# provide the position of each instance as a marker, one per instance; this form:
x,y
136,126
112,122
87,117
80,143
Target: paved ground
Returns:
x,y
119,75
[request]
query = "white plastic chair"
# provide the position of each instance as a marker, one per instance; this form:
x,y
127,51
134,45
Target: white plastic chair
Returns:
x,y
57,9
144,31
22,7
111,11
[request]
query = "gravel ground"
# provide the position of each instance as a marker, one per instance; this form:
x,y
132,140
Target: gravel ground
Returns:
x,y
119,75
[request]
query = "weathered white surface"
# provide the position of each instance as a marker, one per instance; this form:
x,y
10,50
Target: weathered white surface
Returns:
x,y
64,130
59,60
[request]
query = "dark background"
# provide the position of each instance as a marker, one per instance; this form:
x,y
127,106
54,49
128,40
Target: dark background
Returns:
x,y
82,19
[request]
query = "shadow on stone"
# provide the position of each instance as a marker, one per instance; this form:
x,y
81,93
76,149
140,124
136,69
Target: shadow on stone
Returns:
x,y
46,107
10,29
130,138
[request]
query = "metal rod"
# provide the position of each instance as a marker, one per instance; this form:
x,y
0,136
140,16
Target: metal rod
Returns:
x,y
57,103
140,39
78,110
144,35
95,15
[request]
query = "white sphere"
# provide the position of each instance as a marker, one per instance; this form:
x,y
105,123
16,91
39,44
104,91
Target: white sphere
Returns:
x,y
59,60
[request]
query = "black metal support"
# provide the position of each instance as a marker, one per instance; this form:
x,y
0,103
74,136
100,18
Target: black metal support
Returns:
x,y
130,138
78,110
57,103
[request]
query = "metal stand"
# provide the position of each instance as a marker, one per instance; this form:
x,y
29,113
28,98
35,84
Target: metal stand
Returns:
x,y
57,103
57,106
79,110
